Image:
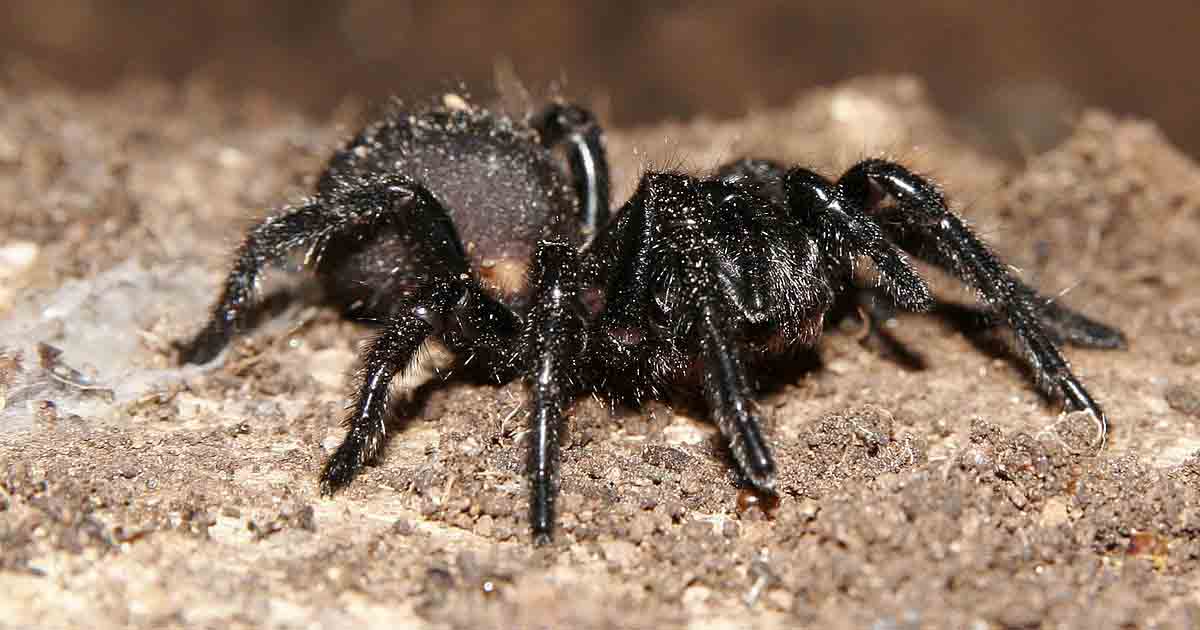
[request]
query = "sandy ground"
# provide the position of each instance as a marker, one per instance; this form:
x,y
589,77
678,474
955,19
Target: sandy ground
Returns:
x,y
925,483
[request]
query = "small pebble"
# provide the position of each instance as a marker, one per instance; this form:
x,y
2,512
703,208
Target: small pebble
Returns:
x,y
485,525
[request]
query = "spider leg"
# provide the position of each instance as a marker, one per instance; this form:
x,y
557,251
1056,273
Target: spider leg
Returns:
x,y
393,350
662,227
729,397
844,233
927,227
353,207
451,305
550,344
625,254
578,129
847,235
453,308
1063,324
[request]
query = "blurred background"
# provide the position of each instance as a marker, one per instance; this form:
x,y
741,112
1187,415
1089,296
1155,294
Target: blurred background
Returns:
x,y
1012,74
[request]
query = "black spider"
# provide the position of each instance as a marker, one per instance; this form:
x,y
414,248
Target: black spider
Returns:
x,y
463,225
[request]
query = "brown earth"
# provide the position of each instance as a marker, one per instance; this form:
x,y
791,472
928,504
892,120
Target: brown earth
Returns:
x,y
925,483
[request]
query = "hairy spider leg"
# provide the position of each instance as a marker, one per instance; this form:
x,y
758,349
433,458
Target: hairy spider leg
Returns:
x,y
662,224
925,226
729,397
451,305
393,350
622,262
340,211
551,339
844,234
550,344
584,141
438,310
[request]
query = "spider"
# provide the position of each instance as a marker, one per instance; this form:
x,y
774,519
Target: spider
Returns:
x,y
493,235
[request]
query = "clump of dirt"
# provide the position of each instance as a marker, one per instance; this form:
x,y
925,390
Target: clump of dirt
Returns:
x,y
923,481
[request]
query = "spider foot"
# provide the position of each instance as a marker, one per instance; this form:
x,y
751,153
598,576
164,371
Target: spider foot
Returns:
x,y
340,470
542,509
760,473
1078,400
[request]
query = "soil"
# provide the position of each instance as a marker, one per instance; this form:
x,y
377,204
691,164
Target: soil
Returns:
x,y
924,482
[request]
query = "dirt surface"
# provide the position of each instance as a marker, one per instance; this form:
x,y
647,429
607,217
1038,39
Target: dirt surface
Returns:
x,y
925,483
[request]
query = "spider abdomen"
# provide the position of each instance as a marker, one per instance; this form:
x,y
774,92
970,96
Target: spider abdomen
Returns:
x,y
502,191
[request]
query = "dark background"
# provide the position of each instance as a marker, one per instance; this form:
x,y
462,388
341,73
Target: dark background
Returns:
x,y
1012,72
